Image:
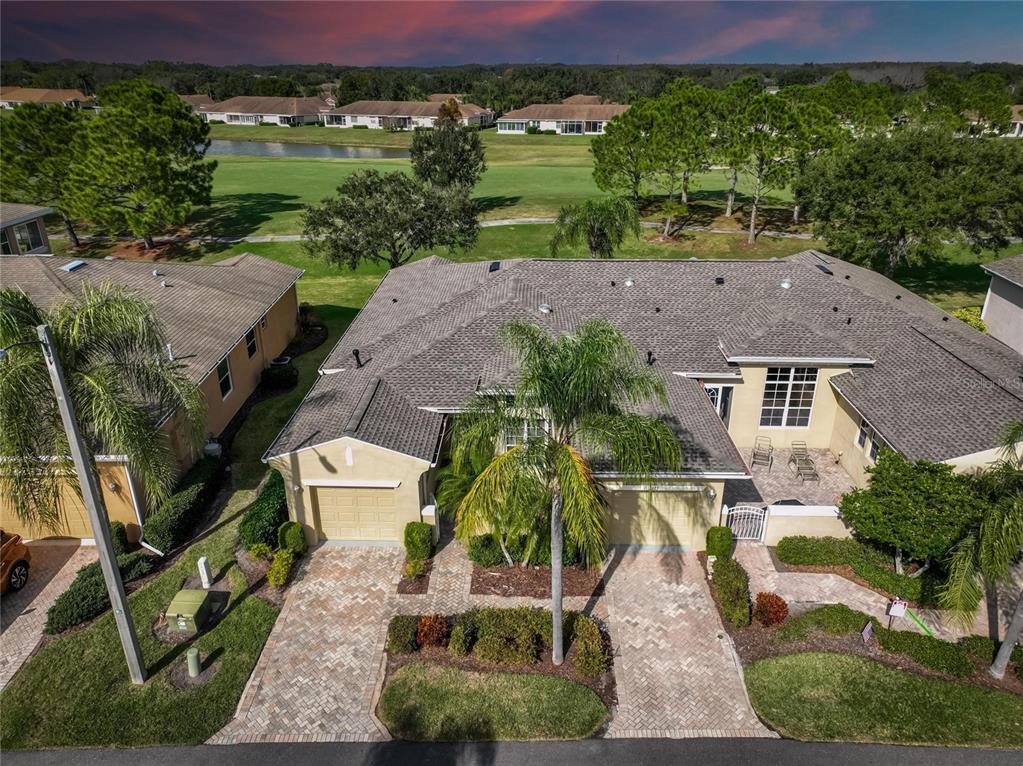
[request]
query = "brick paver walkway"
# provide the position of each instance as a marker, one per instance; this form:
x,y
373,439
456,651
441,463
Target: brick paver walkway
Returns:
x,y
317,676
23,614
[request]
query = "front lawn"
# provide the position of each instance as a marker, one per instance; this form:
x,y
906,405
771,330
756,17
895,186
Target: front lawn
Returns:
x,y
431,702
817,696
75,691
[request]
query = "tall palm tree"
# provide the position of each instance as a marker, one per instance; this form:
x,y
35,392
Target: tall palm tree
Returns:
x,y
573,400
119,379
984,558
603,223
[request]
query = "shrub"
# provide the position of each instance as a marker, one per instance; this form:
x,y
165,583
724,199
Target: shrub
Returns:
x,y
484,551
971,315
983,649
87,597
459,644
770,609
280,568
418,540
732,585
532,130
432,630
279,377
167,527
261,551
118,538
401,634
414,569
719,542
550,132
591,657
930,652
360,127
265,514
511,636
291,536
833,619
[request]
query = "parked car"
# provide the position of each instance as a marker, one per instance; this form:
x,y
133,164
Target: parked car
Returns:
x,y
14,560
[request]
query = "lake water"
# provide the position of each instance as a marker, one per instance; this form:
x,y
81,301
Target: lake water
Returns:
x,y
306,151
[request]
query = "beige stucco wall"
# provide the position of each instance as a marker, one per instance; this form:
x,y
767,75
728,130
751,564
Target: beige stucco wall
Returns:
x,y
747,400
1003,312
113,483
853,458
666,518
330,462
812,526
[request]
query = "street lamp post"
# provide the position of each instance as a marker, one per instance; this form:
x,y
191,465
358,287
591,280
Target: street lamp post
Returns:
x,y
97,513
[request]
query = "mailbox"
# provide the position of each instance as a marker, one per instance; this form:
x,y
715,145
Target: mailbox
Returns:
x,y
188,611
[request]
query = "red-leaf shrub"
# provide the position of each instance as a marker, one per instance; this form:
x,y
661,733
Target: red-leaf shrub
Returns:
x,y
432,630
770,609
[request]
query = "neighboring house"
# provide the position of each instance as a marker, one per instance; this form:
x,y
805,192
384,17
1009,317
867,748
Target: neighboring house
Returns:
x,y
580,98
565,119
804,349
1016,124
400,115
197,101
265,110
23,230
1003,306
10,97
445,97
224,322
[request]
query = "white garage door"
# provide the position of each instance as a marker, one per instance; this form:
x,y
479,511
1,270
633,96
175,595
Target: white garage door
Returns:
x,y
348,513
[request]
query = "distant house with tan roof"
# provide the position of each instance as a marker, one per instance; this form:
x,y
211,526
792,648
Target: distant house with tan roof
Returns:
x,y
446,97
400,115
580,98
1016,122
266,110
10,97
564,119
196,101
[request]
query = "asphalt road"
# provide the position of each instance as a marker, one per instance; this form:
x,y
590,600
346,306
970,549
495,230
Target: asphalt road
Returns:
x,y
647,752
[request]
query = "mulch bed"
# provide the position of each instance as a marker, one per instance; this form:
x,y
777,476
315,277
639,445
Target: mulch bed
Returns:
x,y
603,687
756,642
219,596
534,581
417,586
255,570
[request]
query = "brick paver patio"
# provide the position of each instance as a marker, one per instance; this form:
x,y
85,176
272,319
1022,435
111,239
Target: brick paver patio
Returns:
x,y
23,614
317,675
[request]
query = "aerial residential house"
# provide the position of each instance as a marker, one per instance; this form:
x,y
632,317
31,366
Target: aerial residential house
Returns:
x,y
197,101
266,110
784,380
580,98
10,97
446,97
400,115
23,230
1003,306
225,323
1016,124
565,119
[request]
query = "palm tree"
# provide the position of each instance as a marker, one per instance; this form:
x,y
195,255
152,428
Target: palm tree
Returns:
x,y
984,558
604,223
573,401
121,383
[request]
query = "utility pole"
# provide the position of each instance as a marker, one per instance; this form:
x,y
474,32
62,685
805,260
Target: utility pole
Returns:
x,y
97,513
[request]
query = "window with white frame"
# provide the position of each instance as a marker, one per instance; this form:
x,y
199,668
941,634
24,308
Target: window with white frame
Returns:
x,y
523,432
571,127
250,342
788,397
721,397
868,440
512,127
224,377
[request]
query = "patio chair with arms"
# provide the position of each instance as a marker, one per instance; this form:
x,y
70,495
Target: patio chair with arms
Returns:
x,y
763,452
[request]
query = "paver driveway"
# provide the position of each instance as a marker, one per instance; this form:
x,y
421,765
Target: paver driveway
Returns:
x,y
317,676
23,614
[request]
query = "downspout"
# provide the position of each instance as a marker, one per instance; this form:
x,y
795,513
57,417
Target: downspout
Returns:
x,y
138,514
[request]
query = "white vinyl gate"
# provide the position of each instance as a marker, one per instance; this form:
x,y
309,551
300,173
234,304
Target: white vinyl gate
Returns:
x,y
747,522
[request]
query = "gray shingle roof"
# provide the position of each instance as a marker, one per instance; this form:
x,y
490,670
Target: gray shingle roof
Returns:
x,y
292,106
1010,269
403,109
14,212
571,111
431,333
205,309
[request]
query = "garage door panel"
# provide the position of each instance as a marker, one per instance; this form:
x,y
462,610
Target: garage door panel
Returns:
x,y
348,513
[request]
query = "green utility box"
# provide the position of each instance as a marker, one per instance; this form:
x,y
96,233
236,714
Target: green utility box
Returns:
x,y
188,610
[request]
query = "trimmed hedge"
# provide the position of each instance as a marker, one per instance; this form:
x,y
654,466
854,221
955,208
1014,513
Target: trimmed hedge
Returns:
x,y
732,585
833,619
485,551
866,561
291,536
401,634
118,538
261,551
279,570
458,642
167,527
930,652
87,597
719,542
265,514
983,649
418,540
591,658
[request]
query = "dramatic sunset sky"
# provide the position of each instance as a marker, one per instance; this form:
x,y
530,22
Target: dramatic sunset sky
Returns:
x,y
370,33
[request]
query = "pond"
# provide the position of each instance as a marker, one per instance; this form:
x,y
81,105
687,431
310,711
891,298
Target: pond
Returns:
x,y
219,147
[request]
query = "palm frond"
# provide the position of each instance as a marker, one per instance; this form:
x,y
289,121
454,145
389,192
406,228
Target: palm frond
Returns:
x,y
636,445
583,509
961,594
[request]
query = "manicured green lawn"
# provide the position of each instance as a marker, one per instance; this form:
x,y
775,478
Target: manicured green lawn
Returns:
x,y
425,702
75,690
834,697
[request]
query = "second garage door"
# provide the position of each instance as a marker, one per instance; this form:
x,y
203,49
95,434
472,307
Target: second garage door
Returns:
x,y
348,513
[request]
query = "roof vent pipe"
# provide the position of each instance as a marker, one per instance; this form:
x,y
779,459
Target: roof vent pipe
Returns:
x,y
156,272
650,359
163,283
358,359
719,280
170,352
